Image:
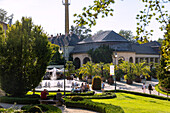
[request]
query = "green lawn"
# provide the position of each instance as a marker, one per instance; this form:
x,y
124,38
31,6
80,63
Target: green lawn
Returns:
x,y
138,104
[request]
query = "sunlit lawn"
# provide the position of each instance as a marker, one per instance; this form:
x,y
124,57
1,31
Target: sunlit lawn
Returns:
x,y
138,104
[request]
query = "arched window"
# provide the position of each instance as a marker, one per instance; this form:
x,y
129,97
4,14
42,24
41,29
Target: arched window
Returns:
x,y
85,60
131,59
121,59
77,63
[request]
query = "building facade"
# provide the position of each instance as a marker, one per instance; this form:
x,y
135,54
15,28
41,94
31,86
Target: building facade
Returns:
x,y
126,50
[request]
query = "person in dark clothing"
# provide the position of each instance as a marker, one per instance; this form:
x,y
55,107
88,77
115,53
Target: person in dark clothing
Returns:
x,y
59,97
150,88
44,95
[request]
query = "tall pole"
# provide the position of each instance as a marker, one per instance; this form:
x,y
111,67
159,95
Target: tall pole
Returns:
x,y
66,17
115,68
64,72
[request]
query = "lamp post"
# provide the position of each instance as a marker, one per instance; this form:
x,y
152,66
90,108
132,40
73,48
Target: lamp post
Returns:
x,y
102,70
115,55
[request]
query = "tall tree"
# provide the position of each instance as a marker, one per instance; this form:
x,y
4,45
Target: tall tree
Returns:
x,y
160,40
81,31
5,18
127,34
101,54
164,68
3,15
57,58
24,55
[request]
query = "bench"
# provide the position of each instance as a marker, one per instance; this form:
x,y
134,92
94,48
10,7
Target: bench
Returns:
x,y
58,103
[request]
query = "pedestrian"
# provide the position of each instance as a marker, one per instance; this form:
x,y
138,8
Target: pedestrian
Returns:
x,y
103,86
143,87
44,95
150,88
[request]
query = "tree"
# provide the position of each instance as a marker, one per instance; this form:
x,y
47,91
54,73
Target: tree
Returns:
x,y
160,40
102,54
141,69
87,69
4,17
164,68
81,31
127,34
128,68
24,55
70,67
57,58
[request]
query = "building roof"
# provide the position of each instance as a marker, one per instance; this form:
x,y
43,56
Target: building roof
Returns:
x,y
119,46
62,40
105,36
152,44
143,49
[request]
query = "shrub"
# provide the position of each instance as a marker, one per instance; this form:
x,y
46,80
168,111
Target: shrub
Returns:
x,y
43,107
141,94
90,105
35,109
96,83
76,98
18,100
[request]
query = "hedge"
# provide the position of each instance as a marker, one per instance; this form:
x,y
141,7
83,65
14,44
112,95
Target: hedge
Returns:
x,y
102,96
141,94
94,106
24,100
43,107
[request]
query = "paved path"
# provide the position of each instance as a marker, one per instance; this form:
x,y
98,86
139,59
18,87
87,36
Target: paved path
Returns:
x,y
137,87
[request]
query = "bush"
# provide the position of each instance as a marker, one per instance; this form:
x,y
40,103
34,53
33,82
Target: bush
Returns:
x,y
76,98
102,96
90,105
141,94
96,83
35,109
43,107
24,100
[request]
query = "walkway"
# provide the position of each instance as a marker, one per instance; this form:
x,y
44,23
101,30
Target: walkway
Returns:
x,y
137,87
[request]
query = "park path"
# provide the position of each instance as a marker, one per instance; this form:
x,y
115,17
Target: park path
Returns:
x,y
136,87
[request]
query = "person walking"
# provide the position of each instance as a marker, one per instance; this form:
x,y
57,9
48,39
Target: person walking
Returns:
x,y
103,86
143,87
150,88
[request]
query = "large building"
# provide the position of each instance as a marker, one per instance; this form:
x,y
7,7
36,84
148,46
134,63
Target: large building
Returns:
x,y
126,50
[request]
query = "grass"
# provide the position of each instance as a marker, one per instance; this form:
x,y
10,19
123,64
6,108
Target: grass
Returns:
x,y
137,104
158,90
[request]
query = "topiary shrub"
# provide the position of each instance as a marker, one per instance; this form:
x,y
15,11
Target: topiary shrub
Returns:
x,y
35,109
76,98
96,83
44,108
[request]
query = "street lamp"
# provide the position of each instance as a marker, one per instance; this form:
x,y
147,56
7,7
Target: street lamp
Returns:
x,y
60,51
115,55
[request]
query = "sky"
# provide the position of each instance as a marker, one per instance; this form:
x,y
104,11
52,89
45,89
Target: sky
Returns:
x,y
50,14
